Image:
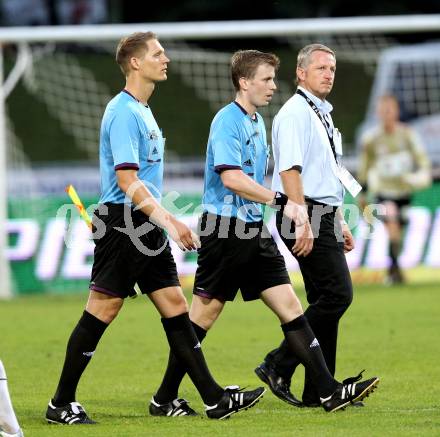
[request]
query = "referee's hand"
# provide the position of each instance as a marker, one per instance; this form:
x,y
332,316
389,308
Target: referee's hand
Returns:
x,y
348,238
303,240
185,238
296,212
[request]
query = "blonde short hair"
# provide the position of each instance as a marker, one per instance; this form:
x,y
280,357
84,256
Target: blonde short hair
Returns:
x,y
132,45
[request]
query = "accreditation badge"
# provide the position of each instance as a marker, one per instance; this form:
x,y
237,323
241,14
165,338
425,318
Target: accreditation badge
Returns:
x,y
348,180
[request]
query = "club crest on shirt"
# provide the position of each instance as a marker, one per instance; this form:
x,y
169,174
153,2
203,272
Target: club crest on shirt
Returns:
x,y
153,135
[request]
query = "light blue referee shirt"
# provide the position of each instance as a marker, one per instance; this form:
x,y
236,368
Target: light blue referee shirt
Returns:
x,y
300,140
130,139
236,141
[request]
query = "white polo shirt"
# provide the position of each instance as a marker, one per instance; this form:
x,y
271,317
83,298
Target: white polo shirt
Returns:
x,y
299,140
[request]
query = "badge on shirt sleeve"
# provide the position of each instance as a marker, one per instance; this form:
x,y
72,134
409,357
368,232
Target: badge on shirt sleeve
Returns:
x,y
348,180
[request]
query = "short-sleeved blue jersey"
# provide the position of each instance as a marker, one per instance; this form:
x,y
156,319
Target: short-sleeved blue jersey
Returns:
x,y
130,139
236,141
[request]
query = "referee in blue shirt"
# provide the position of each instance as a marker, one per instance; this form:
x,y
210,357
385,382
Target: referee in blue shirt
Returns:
x,y
237,251
131,246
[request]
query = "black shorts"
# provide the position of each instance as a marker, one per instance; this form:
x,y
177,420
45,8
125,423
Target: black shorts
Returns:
x,y
121,260
402,205
227,263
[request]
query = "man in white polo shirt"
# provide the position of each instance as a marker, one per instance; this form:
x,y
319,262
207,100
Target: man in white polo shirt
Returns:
x,y
307,149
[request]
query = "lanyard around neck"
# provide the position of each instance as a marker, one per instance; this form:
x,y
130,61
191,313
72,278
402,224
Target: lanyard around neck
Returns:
x,y
321,117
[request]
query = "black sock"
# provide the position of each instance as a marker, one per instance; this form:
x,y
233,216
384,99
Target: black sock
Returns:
x,y
185,345
305,346
394,250
327,333
80,349
174,373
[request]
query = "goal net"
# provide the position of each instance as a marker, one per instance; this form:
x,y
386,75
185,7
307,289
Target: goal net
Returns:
x,y
58,81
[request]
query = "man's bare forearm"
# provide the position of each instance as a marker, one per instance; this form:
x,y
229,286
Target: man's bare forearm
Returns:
x,y
293,186
141,196
245,187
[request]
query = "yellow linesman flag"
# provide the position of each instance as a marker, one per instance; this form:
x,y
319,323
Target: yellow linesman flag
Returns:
x,y
77,202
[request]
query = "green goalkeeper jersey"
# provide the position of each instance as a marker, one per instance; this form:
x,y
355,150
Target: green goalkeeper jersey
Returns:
x,y
393,164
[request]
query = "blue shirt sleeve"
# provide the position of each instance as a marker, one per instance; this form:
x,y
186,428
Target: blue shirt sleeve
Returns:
x,y
124,141
226,146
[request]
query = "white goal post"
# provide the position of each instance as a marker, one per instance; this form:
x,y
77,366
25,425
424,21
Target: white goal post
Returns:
x,y
227,29
22,37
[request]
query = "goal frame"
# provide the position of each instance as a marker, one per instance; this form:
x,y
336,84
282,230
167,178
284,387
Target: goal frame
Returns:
x,y
22,36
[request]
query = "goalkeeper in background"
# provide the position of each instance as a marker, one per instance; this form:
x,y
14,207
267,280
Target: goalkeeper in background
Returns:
x,y
392,166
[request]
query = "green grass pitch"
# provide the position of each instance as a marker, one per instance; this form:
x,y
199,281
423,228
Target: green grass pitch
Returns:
x,y
393,332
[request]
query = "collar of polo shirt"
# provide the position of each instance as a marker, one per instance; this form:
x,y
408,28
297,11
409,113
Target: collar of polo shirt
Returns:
x,y
323,105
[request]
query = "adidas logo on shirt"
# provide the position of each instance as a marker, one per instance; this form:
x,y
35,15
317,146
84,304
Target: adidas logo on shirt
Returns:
x,y
314,343
248,163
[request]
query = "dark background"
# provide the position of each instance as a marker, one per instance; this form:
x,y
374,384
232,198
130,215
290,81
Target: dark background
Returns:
x,y
137,11
193,10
